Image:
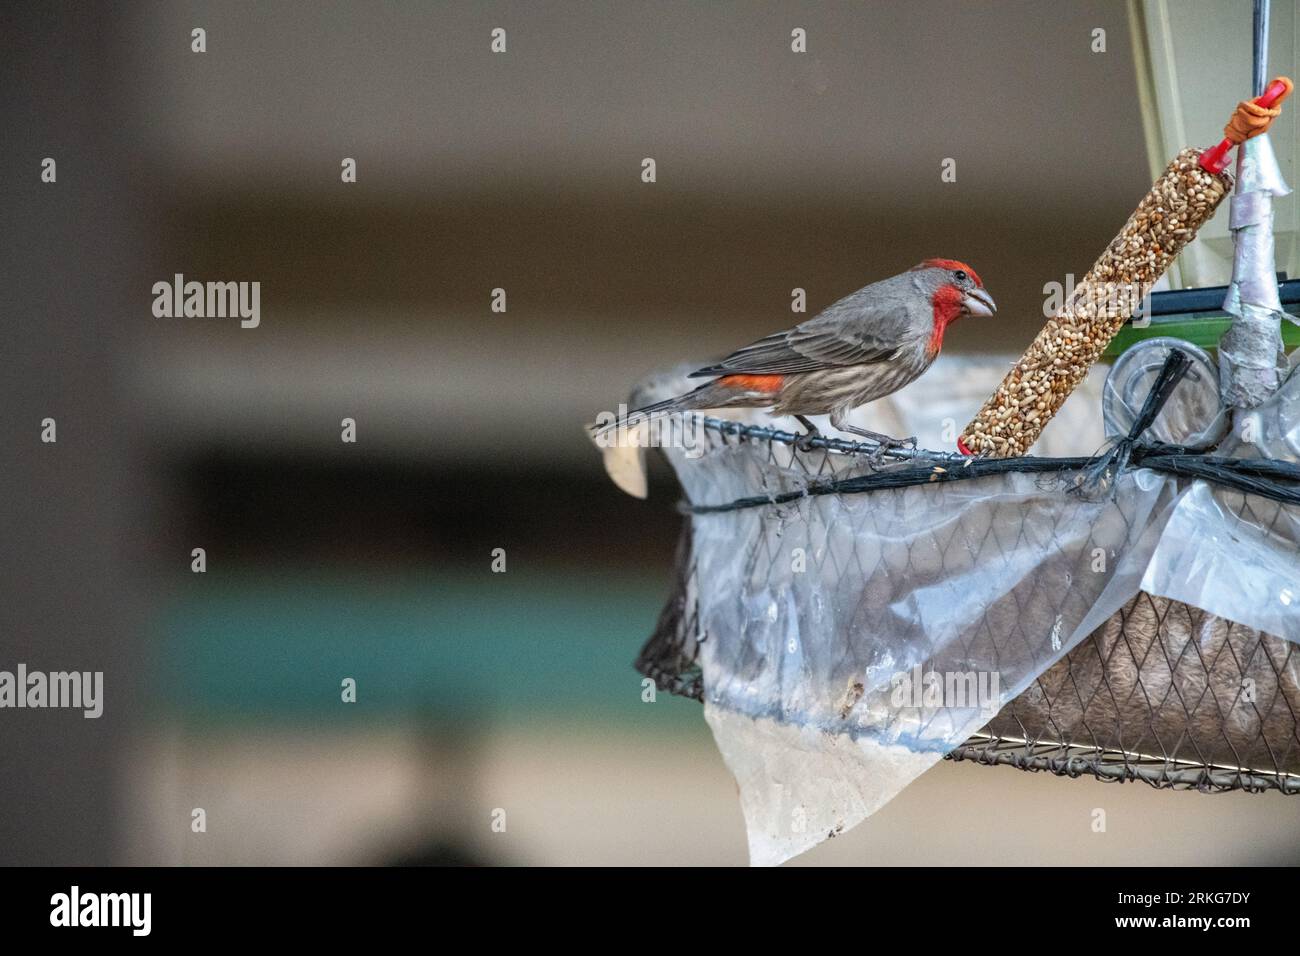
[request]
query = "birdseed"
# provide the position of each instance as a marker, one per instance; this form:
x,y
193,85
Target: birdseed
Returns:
x,y
1180,201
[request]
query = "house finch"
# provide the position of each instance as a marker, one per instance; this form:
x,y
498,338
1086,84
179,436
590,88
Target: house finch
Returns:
x,y
862,348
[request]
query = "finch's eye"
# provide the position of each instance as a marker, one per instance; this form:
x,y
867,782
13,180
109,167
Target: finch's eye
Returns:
x,y
959,276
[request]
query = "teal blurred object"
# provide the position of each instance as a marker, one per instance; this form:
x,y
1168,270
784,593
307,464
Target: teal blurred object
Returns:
x,y
498,647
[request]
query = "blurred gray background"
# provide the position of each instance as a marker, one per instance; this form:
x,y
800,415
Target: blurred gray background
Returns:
x,y
480,691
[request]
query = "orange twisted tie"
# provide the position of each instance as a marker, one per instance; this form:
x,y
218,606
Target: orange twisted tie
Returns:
x,y
1251,119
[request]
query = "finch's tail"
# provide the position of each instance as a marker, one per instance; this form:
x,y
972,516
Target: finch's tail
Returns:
x,y
706,396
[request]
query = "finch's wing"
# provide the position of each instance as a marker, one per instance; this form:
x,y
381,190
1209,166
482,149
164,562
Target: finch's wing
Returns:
x,y
803,349
865,327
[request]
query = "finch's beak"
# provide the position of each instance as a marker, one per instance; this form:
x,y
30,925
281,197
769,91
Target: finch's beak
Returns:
x,y
979,302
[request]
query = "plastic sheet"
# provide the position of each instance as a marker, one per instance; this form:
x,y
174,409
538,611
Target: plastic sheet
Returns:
x,y
847,642
1271,429
1236,556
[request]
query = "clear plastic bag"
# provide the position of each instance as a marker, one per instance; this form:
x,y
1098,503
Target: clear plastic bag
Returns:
x,y
849,641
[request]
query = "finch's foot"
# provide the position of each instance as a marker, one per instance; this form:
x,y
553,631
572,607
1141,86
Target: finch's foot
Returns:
x,y
885,442
804,442
876,458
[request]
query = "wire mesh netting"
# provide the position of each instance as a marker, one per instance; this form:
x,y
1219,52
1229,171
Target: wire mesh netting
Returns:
x,y
821,615
1162,692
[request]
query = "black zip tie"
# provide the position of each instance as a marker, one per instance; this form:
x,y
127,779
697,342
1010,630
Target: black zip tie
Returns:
x,y
1109,464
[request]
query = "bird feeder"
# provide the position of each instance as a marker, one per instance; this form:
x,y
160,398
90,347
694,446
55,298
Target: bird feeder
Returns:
x,y
1131,616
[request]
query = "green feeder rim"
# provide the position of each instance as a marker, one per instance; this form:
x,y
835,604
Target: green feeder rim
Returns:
x,y
1197,316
